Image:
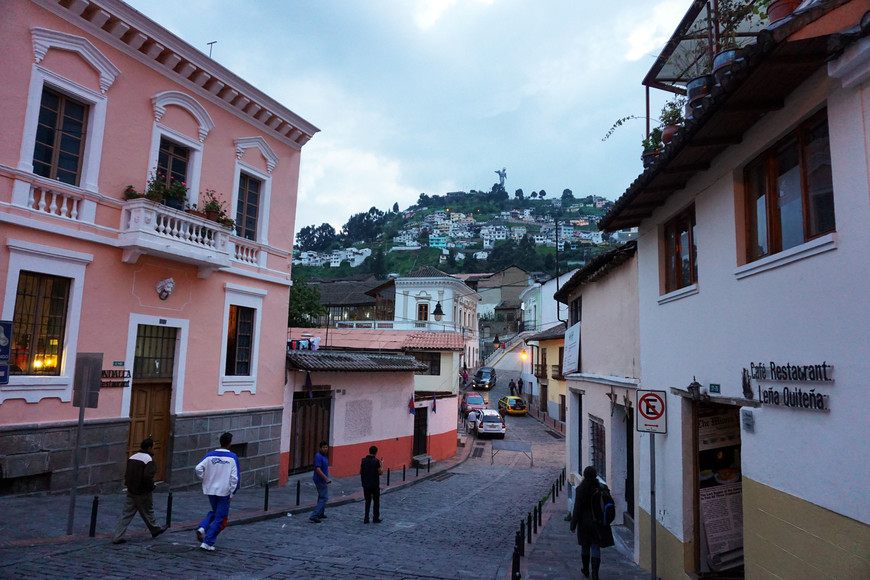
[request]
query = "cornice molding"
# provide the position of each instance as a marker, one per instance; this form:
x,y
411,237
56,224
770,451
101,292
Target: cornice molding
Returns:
x,y
122,27
186,102
244,143
44,39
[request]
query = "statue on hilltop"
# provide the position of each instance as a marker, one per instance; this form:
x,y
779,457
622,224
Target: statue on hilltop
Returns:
x,y
501,175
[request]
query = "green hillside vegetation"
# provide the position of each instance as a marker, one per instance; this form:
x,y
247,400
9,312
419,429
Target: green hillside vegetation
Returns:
x,y
376,229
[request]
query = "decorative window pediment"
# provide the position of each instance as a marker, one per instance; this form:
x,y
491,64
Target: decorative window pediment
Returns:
x,y
186,102
245,143
44,39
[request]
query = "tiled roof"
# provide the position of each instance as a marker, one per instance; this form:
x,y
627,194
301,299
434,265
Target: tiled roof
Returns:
x,y
428,272
599,266
557,331
346,292
434,341
359,362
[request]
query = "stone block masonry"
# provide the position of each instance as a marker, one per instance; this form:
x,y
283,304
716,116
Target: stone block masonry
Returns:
x,y
256,440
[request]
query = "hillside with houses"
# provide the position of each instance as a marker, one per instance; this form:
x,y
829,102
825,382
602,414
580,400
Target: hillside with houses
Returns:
x,y
461,232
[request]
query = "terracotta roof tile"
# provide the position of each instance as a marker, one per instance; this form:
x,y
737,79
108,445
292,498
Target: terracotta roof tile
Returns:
x,y
557,331
434,341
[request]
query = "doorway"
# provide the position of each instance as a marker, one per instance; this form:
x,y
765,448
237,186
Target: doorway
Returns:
x,y
309,426
151,392
421,431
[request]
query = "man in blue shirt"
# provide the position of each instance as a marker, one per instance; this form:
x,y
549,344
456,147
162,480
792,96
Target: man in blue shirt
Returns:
x,y
321,481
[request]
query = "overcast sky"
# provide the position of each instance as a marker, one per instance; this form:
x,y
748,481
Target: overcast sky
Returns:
x,y
431,96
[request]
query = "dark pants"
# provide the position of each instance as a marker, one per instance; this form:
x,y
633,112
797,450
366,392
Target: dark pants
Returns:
x,y
373,494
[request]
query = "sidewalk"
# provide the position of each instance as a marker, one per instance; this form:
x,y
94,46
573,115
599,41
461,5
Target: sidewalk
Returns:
x,y
40,519
554,552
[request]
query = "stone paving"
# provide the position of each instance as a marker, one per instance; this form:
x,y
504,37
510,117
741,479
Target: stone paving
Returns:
x,y
459,521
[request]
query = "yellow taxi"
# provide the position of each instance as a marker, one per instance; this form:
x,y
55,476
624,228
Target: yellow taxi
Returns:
x,y
512,405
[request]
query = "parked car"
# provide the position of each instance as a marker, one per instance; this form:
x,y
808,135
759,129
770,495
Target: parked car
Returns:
x,y
485,378
471,400
489,422
512,405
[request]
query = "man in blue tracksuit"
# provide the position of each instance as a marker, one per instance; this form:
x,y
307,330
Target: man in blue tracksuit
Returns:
x,y
219,472
321,480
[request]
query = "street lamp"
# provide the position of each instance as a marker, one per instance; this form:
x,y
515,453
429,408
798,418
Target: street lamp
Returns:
x,y
524,355
495,343
438,313
694,389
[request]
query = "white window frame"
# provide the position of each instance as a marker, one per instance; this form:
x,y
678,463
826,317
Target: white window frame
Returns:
x,y
236,295
55,262
182,325
194,166
93,147
265,198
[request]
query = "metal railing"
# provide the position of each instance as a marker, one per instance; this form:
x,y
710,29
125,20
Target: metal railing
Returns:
x,y
540,371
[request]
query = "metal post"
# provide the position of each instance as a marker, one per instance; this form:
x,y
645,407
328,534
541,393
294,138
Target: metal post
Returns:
x,y
169,510
266,497
298,490
428,464
535,520
529,528
515,564
522,533
553,493
93,531
652,504
75,482
417,469
541,514
403,472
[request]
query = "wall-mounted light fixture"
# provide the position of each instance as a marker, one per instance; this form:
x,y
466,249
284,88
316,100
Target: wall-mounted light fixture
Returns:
x,y
524,355
694,389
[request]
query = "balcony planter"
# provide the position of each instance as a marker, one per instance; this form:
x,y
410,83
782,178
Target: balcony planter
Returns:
x,y
212,214
649,156
723,61
697,89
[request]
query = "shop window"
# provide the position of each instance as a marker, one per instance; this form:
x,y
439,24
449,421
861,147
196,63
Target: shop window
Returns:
x,y
597,449
681,266
789,191
248,206
431,359
60,137
240,335
39,323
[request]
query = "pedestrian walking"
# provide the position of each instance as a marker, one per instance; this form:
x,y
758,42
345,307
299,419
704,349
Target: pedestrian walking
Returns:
x,y
370,471
220,475
139,480
591,535
513,387
471,421
321,482
464,378
520,387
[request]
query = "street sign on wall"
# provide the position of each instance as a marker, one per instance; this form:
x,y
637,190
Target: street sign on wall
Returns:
x,y
5,349
652,416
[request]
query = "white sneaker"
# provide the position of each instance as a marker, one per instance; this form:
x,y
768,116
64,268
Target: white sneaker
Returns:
x,y
205,546
200,534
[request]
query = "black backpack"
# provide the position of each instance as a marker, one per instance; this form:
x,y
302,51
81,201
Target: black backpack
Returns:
x,y
603,508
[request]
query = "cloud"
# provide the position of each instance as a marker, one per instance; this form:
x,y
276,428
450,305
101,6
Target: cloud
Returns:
x,y
649,30
429,12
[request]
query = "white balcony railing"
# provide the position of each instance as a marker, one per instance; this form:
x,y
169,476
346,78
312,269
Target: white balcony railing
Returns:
x,y
157,230
247,252
54,198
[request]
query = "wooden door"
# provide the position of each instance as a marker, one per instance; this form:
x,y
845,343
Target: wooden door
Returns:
x,y
421,431
151,392
149,417
309,426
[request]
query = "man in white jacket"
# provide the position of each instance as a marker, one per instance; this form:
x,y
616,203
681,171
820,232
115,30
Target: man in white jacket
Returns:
x,y
219,472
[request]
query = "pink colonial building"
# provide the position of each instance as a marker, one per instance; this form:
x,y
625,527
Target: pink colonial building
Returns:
x,y
95,98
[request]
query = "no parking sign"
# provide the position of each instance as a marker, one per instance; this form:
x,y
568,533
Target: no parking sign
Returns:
x,y
652,414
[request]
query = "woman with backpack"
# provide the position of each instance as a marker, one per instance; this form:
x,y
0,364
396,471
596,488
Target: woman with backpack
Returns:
x,y
588,520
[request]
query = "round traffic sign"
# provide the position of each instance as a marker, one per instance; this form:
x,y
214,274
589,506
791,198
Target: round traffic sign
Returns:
x,y
651,406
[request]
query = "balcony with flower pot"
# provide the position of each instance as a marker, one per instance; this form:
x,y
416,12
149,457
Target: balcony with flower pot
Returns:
x,y
153,224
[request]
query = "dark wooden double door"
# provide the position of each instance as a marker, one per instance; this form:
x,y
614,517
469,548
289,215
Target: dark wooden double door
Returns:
x,y
309,426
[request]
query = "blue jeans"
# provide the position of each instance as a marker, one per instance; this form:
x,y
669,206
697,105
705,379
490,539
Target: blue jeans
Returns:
x,y
592,550
220,508
322,497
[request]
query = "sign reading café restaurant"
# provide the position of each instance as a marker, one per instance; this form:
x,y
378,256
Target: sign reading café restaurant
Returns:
x,y
797,397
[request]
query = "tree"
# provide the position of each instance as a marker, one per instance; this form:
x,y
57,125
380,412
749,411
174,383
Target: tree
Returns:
x,y
378,264
423,200
534,194
396,207
363,227
305,306
567,196
542,194
519,194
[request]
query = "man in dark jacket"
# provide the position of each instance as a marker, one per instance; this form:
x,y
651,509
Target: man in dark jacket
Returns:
x,y
591,535
370,471
139,479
